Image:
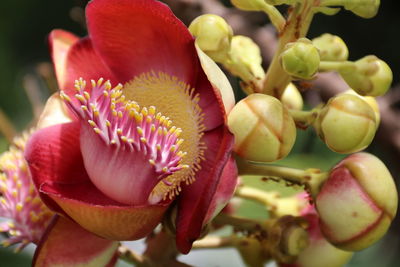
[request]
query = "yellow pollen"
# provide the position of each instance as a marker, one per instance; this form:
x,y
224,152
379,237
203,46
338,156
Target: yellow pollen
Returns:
x,y
18,207
179,104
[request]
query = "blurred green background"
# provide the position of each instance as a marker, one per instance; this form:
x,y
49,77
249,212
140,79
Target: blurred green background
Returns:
x,y
24,62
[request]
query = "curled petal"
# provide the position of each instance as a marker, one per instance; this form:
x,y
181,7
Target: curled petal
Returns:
x,y
195,200
98,214
67,244
127,35
60,42
217,79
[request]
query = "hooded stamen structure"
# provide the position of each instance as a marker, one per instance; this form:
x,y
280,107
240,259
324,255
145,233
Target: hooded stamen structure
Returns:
x,y
142,135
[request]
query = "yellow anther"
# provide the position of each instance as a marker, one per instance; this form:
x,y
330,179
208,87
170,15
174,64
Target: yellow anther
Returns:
x,y
130,140
14,193
108,123
152,162
105,93
124,139
3,201
139,130
84,108
152,110
114,113
97,130
120,114
119,131
107,85
93,83
179,142
80,98
87,95
99,82
113,142
172,149
143,140
65,97
158,147
96,112
165,169
153,128
18,207
138,117
144,111
92,123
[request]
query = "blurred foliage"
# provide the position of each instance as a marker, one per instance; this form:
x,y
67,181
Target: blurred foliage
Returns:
x,y
24,26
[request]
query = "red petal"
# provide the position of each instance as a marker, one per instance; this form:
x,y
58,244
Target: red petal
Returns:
x,y
83,62
53,155
67,244
100,215
141,36
60,42
196,199
210,102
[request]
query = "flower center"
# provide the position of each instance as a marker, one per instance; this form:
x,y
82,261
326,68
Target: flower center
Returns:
x,y
137,155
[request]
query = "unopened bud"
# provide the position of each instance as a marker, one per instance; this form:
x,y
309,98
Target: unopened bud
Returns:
x,y
319,251
251,251
363,8
245,59
346,124
331,47
263,128
371,77
371,101
300,59
292,98
357,203
213,35
249,5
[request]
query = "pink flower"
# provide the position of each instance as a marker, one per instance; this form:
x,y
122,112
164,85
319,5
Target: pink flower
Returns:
x,y
149,129
27,216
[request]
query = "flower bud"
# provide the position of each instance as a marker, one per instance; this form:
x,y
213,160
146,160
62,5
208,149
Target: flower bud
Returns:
x,y
357,202
213,35
245,59
372,76
346,124
251,251
371,101
292,98
319,251
249,5
331,47
263,128
363,8
300,59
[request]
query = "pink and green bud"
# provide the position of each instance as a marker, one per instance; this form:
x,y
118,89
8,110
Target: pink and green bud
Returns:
x,y
213,35
357,203
292,98
300,59
263,128
346,124
26,216
331,47
371,76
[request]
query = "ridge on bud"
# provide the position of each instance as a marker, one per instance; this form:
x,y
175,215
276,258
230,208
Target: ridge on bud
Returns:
x,y
346,124
263,128
357,203
292,98
213,35
300,59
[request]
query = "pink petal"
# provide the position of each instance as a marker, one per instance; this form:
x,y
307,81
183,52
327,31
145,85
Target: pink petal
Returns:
x,y
195,203
60,42
67,244
140,36
83,62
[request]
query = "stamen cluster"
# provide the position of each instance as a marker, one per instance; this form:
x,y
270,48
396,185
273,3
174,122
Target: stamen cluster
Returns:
x,y
19,201
125,125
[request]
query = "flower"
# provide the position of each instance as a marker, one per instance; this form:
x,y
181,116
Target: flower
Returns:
x,y
27,216
149,128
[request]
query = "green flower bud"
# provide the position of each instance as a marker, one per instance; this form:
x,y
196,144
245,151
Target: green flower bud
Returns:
x,y
292,98
331,47
245,59
346,124
213,35
251,251
363,8
300,59
357,203
371,77
263,128
371,101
